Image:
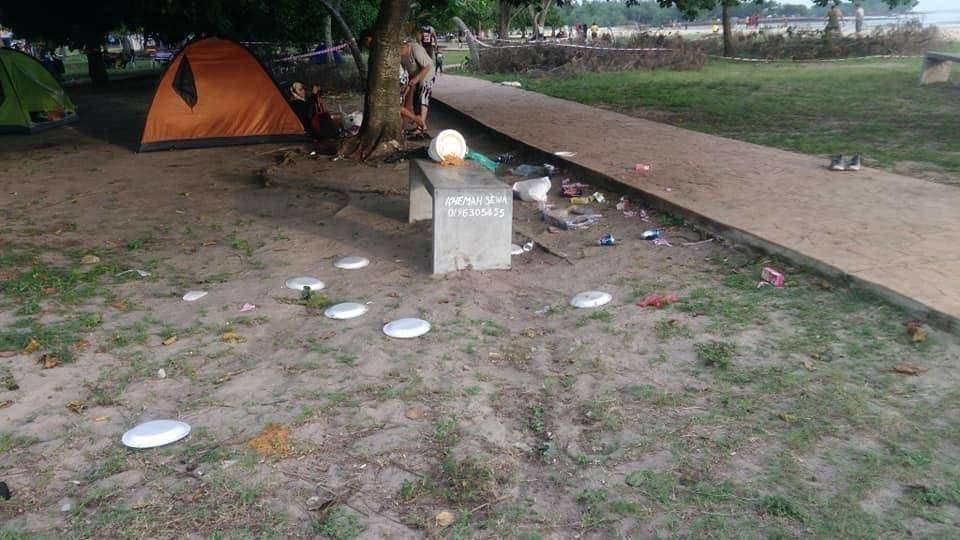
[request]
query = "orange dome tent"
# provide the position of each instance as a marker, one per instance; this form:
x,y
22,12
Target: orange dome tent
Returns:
x,y
215,93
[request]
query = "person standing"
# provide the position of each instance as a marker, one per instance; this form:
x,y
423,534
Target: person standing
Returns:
x,y
428,40
834,18
860,16
422,70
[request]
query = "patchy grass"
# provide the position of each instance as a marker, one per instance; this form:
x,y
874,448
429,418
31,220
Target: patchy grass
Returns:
x,y
339,523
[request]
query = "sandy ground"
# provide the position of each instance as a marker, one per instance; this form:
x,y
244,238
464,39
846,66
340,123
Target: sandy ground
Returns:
x,y
551,401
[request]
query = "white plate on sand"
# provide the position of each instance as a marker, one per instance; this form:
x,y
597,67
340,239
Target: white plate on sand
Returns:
x,y
590,299
298,283
406,328
156,433
346,310
448,142
194,295
352,263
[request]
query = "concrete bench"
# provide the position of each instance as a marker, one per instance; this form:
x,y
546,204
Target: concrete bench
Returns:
x,y
936,67
472,215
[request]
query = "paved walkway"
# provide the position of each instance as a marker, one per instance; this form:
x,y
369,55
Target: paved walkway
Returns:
x,y
896,235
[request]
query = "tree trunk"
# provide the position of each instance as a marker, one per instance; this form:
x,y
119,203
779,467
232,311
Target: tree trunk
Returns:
x,y
96,66
328,36
471,43
503,19
533,21
354,49
727,36
382,130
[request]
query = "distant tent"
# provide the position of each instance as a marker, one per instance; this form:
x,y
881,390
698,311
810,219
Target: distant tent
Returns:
x,y
31,99
214,93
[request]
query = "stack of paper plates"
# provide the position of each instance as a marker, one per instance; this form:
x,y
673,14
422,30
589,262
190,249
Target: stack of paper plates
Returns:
x,y
156,433
346,310
406,328
298,283
590,299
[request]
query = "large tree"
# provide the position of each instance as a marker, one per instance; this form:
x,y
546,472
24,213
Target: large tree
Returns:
x,y
382,128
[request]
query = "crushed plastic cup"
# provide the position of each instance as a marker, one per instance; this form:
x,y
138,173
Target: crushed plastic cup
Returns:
x,y
193,296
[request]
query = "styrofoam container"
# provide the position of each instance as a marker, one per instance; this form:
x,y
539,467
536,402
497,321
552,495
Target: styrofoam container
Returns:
x,y
298,283
351,263
447,142
406,328
346,310
192,296
533,190
155,433
590,299
516,250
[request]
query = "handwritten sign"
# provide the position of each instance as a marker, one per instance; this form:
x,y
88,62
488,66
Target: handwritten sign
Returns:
x,y
477,205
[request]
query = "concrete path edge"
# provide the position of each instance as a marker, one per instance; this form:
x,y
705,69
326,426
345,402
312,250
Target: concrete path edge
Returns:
x,y
914,308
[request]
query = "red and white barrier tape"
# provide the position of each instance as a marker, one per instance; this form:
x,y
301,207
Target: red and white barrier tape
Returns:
x,y
314,53
575,46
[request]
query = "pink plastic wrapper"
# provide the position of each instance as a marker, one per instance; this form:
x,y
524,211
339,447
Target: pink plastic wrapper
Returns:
x,y
247,307
773,277
658,301
643,167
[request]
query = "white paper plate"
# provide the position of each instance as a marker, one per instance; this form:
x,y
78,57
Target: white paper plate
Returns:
x,y
516,250
298,283
447,142
346,310
155,433
194,295
406,328
590,299
352,263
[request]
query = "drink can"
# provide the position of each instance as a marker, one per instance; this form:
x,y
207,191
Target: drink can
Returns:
x,y
599,197
772,277
607,240
651,234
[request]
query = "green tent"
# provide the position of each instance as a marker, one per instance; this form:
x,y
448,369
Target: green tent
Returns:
x,y
31,99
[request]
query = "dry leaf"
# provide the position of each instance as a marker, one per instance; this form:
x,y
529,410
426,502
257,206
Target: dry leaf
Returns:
x,y
445,519
81,345
48,361
76,406
49,291
415,413
223,379
186,194
232,337
809,365
786,417
5,404
8,354
907,369
32,346
443,301
170,340
99,418
208,243
915,330
90,259
120,304
139,504
394,295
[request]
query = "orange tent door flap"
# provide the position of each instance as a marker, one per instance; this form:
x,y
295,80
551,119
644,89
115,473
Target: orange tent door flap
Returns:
x,y
216,93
